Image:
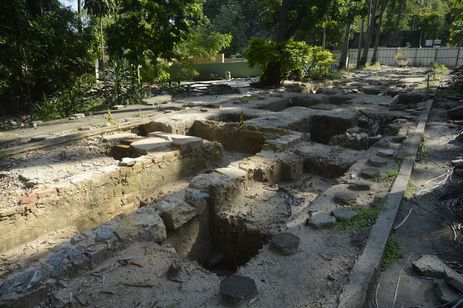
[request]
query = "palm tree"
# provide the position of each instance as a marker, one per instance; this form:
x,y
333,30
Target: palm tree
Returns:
x,y
99,9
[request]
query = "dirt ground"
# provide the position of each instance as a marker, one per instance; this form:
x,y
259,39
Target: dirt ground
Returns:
x,y
427,231
313,277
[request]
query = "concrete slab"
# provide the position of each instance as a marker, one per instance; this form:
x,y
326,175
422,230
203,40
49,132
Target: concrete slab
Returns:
x,y
151,145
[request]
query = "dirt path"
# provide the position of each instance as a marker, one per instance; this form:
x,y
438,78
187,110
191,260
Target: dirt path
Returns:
x,y
427,230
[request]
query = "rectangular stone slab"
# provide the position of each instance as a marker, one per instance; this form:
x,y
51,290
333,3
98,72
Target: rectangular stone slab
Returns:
x,y
152,144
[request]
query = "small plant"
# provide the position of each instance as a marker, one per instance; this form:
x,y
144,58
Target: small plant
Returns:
x,y
401,57
439,68
366,217
389,177
110,118
410,190
392,252
422,149
374,67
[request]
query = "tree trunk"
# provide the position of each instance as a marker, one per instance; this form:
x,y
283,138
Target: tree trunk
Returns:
x,y
272,74
359,51
102,65
345,48
371,26
400,13
324,38
374,58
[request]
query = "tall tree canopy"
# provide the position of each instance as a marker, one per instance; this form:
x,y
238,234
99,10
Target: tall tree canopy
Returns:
x,y
283,18
41,51
152,28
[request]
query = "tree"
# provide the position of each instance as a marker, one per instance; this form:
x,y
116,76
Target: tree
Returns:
x,y
456,27
199,44
371,26
378,22
100,9
283,19
231,20
41,49
240,18
151,28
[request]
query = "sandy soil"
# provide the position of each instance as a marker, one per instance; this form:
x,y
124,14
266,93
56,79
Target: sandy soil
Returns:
x,y
427,229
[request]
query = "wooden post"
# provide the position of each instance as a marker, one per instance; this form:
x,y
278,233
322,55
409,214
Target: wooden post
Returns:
x,y
458,56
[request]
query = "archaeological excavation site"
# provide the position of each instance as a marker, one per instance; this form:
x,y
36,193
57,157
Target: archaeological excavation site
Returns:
x,y
242,197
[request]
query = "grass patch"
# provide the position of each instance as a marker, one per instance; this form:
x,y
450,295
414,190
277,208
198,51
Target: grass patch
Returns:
x,y
444,93
389,177
392,253
374,67
439,68
338,74
366,217
2,154
249,98
410,190
422,149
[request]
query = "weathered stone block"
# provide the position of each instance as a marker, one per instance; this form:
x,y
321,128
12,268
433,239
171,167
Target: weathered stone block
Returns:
x,y
175,212
152,144
237,288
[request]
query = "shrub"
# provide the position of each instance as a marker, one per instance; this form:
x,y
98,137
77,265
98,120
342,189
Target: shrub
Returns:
x,y
68,101
295,57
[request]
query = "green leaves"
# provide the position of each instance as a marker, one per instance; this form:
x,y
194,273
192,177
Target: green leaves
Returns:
x,y
42,52
152,28
294,56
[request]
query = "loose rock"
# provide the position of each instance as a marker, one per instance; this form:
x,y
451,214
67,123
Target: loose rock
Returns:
x,y
344,213
177,272
321,220
454,279
370,173
376,162
359,185
431,266
346,197
237,288
127,162
444,293
286,243
385,153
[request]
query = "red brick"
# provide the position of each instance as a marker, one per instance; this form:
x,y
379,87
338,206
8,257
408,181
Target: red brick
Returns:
x,y
30,198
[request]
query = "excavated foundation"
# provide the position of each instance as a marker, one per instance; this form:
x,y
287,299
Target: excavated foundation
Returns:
x,y
212,190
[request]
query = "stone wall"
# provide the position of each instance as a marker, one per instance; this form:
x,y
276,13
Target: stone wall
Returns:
x,y
90,199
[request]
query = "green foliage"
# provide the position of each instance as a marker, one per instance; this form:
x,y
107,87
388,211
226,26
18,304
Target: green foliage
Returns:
x,y
456,25
321,61
151,29
261,51
422,149
199,44
366,217
41,50
389,177
68,101
2,154
410,190
295,57
401,55
392,253
439,68
240,18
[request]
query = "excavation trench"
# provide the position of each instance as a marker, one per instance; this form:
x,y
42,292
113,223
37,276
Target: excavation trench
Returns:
x,y
232,230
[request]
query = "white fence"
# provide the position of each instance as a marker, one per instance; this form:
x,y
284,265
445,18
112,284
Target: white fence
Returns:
x,y
450,57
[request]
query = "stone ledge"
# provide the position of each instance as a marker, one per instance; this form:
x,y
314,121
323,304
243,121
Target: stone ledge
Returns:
x,y
364,274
